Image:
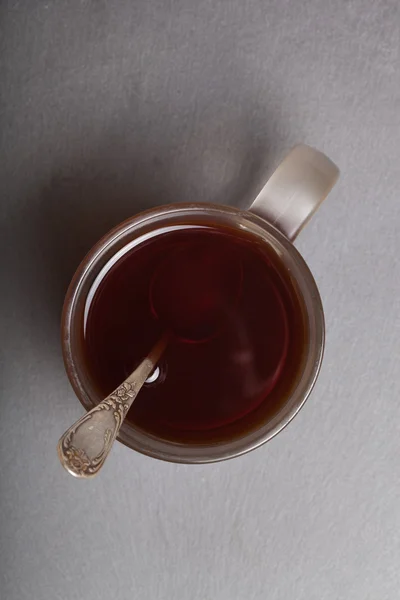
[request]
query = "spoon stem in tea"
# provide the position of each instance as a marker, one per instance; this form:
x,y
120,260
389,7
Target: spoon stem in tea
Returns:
x,y
85,445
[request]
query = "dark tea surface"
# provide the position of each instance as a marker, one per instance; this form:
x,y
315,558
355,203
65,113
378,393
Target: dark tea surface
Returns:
x,y
233,322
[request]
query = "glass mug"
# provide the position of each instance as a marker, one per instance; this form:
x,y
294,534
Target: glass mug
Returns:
x,y
281,209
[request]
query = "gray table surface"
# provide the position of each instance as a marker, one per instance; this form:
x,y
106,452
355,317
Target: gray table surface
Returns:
x,y
110,107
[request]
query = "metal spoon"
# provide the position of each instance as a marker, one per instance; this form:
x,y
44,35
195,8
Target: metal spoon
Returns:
x,y
85,445
183,306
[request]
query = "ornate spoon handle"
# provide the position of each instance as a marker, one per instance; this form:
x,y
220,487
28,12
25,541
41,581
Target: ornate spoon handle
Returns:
x,y
85,445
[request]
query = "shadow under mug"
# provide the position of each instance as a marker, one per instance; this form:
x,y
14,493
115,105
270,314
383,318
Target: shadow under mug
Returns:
x,y
282,208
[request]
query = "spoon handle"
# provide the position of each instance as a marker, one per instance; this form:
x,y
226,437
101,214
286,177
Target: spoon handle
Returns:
x,y
85,445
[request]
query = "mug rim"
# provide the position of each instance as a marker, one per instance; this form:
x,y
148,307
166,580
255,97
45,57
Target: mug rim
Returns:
x,y
145,442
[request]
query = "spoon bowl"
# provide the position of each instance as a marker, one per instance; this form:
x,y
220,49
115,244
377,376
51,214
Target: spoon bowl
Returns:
x,y
194,290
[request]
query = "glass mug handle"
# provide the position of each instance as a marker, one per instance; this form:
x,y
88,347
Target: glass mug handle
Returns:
x,y
295,190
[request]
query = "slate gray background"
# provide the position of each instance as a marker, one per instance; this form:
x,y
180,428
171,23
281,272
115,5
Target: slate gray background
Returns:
x,y
109,107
